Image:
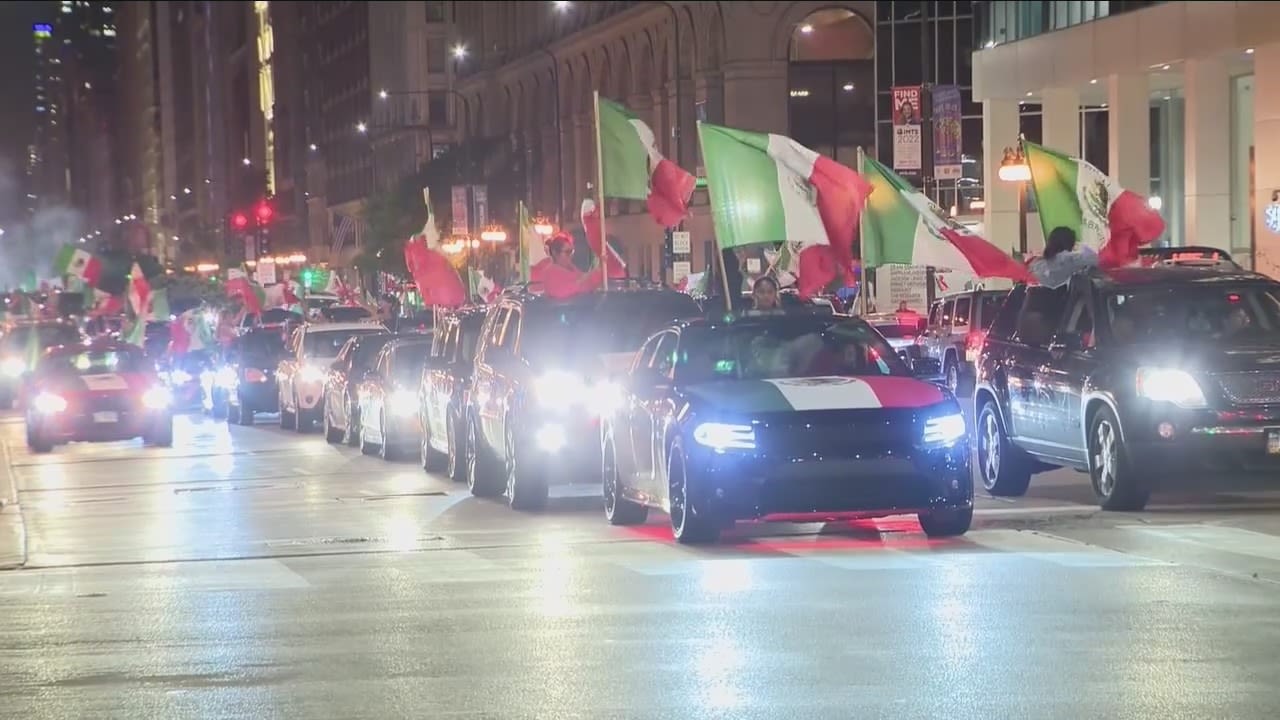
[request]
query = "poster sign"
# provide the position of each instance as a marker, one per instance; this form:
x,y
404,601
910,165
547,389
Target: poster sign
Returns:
x,y
266,272
460,208
896,284
681,242
907,119
946,133
480,204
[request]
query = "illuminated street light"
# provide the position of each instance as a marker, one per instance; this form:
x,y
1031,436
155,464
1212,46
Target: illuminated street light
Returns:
x,y
494,234
561,5
383,94
459,52
1014,167
362,128
186,191
247,162
313,147
806,28
542,226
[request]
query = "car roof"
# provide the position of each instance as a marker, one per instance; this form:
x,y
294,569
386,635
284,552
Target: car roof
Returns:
x,y
595,298
1172,275
765,320
95,346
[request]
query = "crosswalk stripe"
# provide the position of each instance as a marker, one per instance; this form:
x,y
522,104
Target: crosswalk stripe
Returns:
x,y
1215,537
211,576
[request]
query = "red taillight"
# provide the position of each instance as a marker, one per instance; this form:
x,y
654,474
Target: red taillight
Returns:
x,y
973,341
254,375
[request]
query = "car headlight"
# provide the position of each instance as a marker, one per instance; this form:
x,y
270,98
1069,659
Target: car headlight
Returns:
x,y
157,398
551,437
47,403
607,398
722,436
403,403
12,367
226,378
179,377
310,374
1171,386
560,389
944,430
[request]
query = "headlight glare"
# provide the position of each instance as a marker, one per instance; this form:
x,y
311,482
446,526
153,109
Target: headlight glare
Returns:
x,y
1171,386
48,403
226,378
179,377
560,389
944,430
402,403
722,436
607,398
157,398
12,367
551,438
310,374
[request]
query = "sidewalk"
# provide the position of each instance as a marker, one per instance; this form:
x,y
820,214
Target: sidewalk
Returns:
x,y
13,536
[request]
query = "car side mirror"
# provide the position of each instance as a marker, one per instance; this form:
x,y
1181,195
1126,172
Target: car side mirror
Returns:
x,y
926,368
1066,343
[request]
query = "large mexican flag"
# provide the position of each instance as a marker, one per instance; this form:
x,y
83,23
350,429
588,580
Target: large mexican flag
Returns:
x,y
769,188
1071,193
901,226
634,168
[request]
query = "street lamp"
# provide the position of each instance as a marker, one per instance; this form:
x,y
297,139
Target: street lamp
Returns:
x,y
362,128
493,234
543,227
459,52
383,94
1014,169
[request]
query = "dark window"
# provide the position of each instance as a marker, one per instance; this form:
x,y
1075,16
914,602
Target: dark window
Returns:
x,y
96,362
327,344
1080,320
435,11
960,316
438,108
1041,315
988,306
409,358
1006,319
1214,314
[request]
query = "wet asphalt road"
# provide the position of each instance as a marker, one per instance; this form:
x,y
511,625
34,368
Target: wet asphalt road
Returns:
x,y
256,573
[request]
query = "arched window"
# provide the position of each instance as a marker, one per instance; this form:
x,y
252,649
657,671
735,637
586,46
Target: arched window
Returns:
x,y
831,83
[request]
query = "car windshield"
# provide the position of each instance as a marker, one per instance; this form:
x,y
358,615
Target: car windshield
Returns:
x,y
327,343
95,362
1228,315
367,351
41,336
262,346
610,326
409,358
751,351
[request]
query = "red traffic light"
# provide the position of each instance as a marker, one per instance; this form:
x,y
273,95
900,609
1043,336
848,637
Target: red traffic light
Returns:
x,y
264,212
239,221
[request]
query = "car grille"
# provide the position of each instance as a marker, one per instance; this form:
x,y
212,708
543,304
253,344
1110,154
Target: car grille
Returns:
x,y
1251,388
108,403
843,435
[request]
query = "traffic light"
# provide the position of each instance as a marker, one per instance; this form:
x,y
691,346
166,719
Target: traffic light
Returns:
x,y
264,212
239,222
237,225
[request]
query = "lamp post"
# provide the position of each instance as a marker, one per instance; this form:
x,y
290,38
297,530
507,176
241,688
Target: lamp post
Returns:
x,y
1014,169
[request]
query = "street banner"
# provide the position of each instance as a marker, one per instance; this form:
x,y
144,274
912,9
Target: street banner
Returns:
x,y
947,133
480,204
461,211
907,120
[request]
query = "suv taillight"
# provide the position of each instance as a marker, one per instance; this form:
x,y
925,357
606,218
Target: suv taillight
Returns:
x,y
973,344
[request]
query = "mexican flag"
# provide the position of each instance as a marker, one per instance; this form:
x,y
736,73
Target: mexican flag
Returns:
x,y
158,305
139,292
533,247
634,168
1071,193
903,227
249,292
190,333
430,232
483,286
771,189
79,263
136,332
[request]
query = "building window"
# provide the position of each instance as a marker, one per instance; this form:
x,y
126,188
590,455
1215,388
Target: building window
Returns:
x,y
435,11
438,108
437,58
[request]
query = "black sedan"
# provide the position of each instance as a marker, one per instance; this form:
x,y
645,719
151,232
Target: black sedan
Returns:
x,y
248,379
794,417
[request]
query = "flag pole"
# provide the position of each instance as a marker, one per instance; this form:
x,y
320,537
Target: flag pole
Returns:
x,y
604,235
862,266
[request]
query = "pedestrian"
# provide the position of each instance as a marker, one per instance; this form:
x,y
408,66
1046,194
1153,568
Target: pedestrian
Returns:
x,y
1062,259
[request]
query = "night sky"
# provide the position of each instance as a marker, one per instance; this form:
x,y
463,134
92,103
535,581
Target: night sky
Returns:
x,y
16,82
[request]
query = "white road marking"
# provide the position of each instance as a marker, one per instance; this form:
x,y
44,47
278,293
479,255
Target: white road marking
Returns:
x,y
211,576
1214,537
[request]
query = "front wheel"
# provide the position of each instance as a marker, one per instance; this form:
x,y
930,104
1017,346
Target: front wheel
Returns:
x,y
526,487
690,524
431,459
1004,469
481,478
37,442
456,468
946,523
162,436
952,372
1117,483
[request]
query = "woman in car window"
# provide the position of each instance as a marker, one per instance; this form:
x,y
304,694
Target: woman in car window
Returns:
x,y
764,294
1061,259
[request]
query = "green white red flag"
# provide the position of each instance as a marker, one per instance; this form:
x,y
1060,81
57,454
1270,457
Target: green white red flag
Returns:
x,y
635,169
79,263
616,266
768,188
1071,193
533,247
139,292
901,226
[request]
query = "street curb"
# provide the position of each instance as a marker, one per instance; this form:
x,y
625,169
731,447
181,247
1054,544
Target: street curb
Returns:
x,y
13,530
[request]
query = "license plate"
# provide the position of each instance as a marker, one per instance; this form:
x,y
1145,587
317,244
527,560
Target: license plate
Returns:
x,y
1273,441
106,417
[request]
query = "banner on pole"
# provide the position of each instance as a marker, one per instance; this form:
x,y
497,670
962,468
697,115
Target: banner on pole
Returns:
x,y
907,121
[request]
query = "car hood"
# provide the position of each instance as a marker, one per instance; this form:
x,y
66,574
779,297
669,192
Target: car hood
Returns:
x,y
1206,357
747,397
101,383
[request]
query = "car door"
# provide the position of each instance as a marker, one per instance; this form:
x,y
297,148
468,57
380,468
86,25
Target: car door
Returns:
x,y
335,386
653,395
485,397
1031,399
1073,358
506,379
438,388
372,396
288,367
626,444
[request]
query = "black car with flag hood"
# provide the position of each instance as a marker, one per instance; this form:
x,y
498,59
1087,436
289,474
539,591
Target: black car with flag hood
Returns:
x,y
792,417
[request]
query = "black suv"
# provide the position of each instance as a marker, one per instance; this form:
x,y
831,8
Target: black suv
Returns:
x,y
542,369
1135,376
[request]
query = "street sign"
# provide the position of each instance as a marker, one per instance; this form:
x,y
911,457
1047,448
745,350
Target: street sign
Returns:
x,y
681,243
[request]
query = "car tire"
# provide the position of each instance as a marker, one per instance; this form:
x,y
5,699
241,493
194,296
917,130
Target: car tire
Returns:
x,y
946,523
332,435
1118,485
526,487
233,415
456,464
37,442
218,409
689,526
301,419
387,451
1003,469
952,373
432,460
482,479
288,420
161,436
617,509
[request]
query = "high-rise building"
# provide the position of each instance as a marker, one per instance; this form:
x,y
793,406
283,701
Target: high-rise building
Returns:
x,y
85,35
47,183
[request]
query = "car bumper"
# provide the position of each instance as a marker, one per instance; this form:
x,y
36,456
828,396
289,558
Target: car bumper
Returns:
x,y
752,486
1233,444
565,450
309,395
84,427
258,397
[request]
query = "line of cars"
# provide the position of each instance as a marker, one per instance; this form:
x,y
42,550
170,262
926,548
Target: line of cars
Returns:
x,y
646,397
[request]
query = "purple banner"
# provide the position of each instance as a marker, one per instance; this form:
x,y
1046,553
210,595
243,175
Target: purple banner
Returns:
x,y
946,133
